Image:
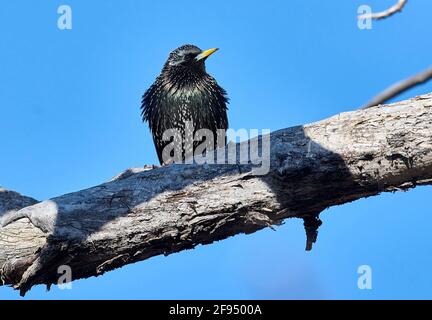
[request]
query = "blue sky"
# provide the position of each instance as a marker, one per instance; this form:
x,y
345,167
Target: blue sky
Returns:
x,y
69,114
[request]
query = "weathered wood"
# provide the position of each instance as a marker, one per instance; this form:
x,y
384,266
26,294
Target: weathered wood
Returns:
x,y
143,213
10,200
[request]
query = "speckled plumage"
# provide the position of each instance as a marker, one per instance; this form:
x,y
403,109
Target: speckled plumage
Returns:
x,y
184,91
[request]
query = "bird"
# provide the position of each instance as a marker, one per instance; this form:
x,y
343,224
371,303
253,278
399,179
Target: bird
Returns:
x,y
184,94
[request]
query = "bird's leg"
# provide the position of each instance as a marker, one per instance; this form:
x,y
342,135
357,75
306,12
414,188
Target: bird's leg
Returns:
x,y
311,225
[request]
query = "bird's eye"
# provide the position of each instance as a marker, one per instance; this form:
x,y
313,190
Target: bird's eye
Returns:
x,y
182,58
185,58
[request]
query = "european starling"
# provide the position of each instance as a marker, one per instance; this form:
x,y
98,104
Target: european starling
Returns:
x,y
184,93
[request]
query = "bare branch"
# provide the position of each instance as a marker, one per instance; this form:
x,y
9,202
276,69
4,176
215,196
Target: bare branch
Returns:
x,y
144,213
400,88
386,13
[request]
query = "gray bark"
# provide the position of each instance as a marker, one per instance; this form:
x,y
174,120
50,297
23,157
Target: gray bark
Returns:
x,y
12,201
146,212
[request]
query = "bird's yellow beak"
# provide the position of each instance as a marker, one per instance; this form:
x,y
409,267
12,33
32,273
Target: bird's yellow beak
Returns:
x,y
205,54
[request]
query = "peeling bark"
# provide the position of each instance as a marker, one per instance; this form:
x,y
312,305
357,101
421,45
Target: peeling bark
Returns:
x,y
151,211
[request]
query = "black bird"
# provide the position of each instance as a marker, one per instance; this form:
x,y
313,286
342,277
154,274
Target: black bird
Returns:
x,y
183,92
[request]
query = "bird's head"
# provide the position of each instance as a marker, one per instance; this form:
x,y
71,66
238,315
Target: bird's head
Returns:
x,y
188,58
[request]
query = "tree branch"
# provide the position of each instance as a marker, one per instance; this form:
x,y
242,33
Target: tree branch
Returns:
x,y
386,13
400,88
143,213
12,201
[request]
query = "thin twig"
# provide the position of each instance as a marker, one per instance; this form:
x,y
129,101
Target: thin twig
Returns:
x,y
400,87
386,13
